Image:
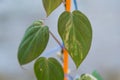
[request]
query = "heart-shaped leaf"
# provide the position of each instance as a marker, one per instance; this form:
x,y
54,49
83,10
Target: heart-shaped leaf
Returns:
x,y
48,69
34,42
51,5
75,30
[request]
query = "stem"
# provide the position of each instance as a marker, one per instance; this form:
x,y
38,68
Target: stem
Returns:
x,y
56,39
68,5
65,63
65,52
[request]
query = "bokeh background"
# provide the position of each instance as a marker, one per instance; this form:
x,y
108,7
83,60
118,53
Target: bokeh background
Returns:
x,y
104,56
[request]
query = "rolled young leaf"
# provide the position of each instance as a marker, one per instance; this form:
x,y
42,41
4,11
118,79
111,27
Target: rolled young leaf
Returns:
x,y
34,42
87,77
76,33
48,69
51,5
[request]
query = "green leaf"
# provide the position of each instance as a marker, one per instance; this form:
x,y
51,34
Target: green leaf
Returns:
x,y
48,69
87,77
51,5
34,42
97,75
76,33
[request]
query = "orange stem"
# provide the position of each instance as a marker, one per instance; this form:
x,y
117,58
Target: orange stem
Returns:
x,y
65,53
68,5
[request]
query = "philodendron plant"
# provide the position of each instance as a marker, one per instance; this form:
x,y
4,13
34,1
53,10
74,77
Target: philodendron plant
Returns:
x,y
75,31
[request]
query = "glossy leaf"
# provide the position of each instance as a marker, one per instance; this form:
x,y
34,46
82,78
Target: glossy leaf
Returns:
x,y
75,30
34,42
48,69
51,5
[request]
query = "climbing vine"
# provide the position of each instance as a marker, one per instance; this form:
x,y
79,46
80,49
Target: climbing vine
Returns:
x,y
75,31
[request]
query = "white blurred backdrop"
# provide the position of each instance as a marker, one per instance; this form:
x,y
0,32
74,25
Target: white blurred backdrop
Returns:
x,y
17,15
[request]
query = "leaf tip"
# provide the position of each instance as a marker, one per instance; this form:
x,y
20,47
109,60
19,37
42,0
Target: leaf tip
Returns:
x,y
20,61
